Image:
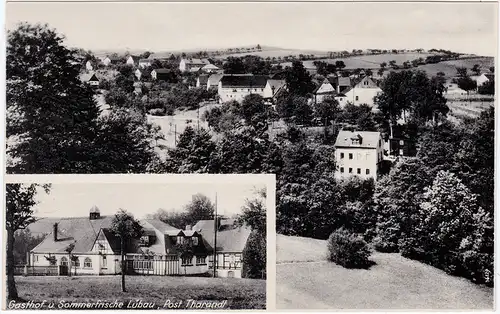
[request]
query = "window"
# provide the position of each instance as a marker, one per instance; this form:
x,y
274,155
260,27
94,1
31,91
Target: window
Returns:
x,y
180,240
36,258
350,170
201,260
367,171
359,170
64,261
261,89
104,261
357,97
75,262
195,241
87,263
187,261
341,155
350,155
401,142
144,241
249,89
341,169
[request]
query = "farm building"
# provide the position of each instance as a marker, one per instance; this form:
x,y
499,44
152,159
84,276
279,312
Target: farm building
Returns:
x,y
363,92
272,86
213,81
238,86
483,78
95,250
210,68
334,86
133,60
358,153
144,63
90,78
161,74
111,60
89,65
202,80
192,65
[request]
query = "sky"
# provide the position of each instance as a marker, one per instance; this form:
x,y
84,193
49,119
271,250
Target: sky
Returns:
x,y
462,27
140,199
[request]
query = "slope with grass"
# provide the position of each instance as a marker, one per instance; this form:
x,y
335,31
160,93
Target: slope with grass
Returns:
x,y
305,280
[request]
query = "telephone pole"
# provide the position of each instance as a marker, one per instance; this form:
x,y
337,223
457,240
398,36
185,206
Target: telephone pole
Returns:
x,y
216,227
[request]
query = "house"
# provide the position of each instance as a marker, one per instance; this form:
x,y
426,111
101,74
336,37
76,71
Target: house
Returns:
x,y
231,242
334,86
361,93
358,153
138,74
111,60
210,68
238,86
96,250
272,86
161,74
90,78
162,56
202,80
89,65
213,81
483,78
144,63
192,65
133,60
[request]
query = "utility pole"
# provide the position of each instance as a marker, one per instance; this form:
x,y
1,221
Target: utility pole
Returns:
x,y
216,227
175,135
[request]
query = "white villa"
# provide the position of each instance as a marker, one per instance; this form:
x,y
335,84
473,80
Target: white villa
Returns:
x,y
358,153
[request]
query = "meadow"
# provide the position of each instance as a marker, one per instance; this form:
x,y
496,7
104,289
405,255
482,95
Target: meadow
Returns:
x,y
240,293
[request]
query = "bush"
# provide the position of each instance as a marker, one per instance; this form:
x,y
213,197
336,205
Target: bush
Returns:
x,y
348,249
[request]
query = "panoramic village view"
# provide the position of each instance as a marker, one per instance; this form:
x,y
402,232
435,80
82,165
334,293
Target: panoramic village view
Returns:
x,y
68,254
383,149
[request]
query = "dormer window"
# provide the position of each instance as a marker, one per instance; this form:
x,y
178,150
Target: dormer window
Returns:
x,y
144,241
195,241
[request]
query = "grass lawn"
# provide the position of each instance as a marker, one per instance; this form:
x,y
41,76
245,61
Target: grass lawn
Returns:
x,y
240,293
305,280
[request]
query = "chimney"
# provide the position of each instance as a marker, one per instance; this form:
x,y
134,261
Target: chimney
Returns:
x,y
54,231
188,227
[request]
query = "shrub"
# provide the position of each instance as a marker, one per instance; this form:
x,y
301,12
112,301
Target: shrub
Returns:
x,y
348,249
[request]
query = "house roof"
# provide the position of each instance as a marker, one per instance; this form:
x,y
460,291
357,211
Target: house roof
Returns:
x,y
275,83
114,58
250,81
214,79
194,69
195,61
159,56
203,79
144,61
210,67
87,77
368,139
135,58
81,231
162,71
230,238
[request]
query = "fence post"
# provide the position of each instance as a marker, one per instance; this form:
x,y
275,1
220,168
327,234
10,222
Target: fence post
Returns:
x,y
25,270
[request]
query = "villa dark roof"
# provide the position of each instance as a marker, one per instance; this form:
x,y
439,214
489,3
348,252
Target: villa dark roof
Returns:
x,y
368,139
230,238
244,81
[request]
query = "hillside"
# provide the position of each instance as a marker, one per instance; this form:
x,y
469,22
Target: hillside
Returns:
x,y
305,280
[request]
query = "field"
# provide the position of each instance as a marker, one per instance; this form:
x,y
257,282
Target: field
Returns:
x,y
274,52
368,62
305,280
240,293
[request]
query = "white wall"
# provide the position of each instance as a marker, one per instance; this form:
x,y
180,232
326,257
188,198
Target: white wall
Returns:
x,y
228,94
359,96
361,159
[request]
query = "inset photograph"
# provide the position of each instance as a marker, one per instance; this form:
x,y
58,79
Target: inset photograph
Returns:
x,y
136,246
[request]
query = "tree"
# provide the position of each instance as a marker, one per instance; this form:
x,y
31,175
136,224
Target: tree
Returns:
x,y
200,208
174,218
476,69
20,200
295,109
254,111
392,63
298,80
412,94
234,66
49,110
383,65
327,110
462,71
339,64
488,88
126,228
466,83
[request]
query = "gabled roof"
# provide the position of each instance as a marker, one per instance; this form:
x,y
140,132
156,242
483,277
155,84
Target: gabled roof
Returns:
x,y
144,61
210,67
275,83
244,81
203,79
214,79
162,71
230,238
194,69
368,139
135,58
87,77
81,231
